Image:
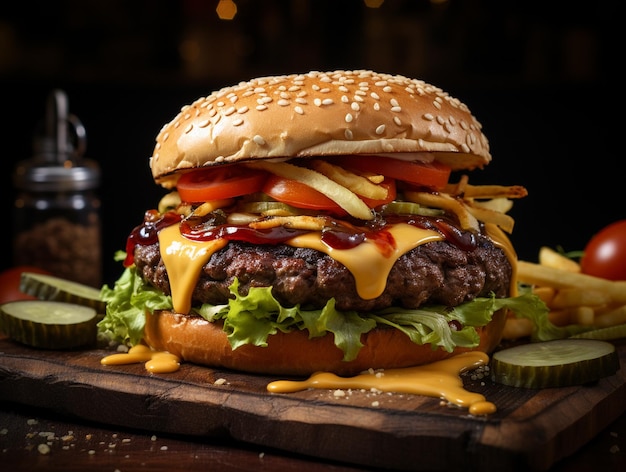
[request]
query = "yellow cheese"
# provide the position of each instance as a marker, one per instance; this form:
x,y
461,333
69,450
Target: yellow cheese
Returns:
x,y
367,264
183,260
502,241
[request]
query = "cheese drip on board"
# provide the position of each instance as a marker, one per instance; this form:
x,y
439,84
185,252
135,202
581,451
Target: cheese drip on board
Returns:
x,y
157,362
440,380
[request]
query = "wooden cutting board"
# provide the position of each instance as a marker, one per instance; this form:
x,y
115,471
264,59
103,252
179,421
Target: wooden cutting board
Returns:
x,y
531,429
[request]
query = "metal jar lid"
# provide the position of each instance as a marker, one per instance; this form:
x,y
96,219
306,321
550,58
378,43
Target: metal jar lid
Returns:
x,y
58,165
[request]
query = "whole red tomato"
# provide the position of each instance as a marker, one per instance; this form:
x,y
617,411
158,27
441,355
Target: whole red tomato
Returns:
x,y
605,253
10,283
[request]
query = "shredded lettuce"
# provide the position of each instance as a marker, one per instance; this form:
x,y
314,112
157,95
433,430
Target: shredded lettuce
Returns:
x,y
254,317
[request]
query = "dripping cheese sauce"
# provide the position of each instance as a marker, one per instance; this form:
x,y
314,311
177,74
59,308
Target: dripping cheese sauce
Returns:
x,y
366,253
439,379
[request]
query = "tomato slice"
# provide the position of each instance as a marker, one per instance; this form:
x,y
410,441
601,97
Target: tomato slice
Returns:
x,y
216,183
426,174
299,195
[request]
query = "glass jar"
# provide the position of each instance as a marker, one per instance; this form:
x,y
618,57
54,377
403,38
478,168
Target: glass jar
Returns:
x,y
56,208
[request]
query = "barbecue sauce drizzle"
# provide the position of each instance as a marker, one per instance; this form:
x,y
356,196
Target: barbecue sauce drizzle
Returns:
x,y
338,234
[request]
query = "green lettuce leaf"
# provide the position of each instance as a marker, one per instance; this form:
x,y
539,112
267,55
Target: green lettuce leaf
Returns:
x,y
252,318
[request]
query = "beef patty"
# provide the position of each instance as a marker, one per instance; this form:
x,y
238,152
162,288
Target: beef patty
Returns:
x,y
433,273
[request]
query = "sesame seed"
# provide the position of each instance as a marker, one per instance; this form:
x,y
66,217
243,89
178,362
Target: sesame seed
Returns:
x,y
387,89
440,120
380,129
328,101
465,147
204,123
343,88
258,140
238,122
355,106
294,88
345,99
261,107
242,110
189,128
317,102
357,98
316,87
360,92
301,101
394,103
448,127
437,105
220,104
396,109
348,134
299,110
375,96
428,117
397,121
283,103
229,111
376,106
349,118
325,90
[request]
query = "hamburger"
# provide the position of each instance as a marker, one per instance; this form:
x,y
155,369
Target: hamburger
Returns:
x,y
312,223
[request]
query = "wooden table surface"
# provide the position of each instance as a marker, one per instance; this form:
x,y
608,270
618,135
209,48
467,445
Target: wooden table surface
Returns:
x,y
35,439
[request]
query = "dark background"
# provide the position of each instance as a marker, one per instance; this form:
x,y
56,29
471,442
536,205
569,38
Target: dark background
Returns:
x,y
540,76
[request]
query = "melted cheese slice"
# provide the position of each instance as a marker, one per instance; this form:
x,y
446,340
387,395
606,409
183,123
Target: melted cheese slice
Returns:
x,y
365,262
502,241
184,259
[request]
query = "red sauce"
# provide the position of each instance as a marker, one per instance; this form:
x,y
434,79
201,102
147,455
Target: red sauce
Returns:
x,y
339,235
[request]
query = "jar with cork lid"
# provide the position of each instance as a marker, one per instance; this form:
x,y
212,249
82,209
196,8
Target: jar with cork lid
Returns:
x,y
56,209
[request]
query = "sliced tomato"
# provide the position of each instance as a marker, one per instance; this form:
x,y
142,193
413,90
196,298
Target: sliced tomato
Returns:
x,y
432,174
216,183
299,195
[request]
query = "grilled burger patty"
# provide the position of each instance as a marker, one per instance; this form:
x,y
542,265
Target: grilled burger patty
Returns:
x,y
433,273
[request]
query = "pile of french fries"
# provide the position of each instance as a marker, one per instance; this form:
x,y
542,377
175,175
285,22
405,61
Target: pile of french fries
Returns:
x,y
573,298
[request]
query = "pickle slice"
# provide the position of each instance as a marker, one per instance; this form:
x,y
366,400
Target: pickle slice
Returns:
x,y
48,287
607,334
558,363
49,325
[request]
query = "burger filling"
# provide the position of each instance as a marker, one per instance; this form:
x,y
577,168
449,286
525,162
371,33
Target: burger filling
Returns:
x,y
341,250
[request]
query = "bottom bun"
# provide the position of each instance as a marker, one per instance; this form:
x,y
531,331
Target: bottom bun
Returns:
x,y
198,341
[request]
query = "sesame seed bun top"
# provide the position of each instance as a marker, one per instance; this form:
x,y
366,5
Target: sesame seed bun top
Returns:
x,y
319,114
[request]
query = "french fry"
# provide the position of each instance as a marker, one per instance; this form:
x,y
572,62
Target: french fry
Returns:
x,y
583,315
573,297
313,223
344,197
545,293
541,275
611,318
356,183
516,328
550,258
486,191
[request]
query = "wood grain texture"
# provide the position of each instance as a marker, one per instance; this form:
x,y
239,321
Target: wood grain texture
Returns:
x,y
531,429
